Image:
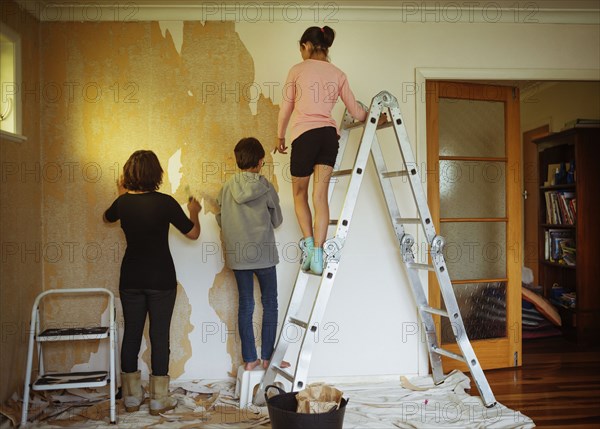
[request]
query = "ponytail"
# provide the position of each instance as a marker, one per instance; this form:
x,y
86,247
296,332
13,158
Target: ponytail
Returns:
x,y
320,37
328,36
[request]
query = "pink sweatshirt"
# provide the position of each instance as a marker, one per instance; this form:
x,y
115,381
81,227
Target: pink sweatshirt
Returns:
x,y
311,90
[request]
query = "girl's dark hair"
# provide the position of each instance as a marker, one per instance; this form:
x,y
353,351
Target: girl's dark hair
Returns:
x,y
320,37
248,152
142,172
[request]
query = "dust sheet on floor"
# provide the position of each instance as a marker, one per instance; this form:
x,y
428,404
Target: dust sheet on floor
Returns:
x,y
414,403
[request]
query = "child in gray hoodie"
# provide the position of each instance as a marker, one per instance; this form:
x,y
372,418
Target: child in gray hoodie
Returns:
x,y
249,214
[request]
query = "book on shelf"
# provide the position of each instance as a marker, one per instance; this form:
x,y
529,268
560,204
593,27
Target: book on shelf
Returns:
x,y
560,247
560,207
582,123
568,252
569,299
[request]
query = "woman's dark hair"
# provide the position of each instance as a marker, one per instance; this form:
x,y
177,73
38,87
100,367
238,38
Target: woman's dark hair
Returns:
x,y
142,172
248,152
320,37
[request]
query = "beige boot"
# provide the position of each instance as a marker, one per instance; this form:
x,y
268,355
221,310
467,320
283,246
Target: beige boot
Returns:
x,y
160,401
133,394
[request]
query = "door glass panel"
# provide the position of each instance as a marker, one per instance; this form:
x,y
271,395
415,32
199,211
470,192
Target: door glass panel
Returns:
x,y
483,309
475,250
471,128
474,187
471,189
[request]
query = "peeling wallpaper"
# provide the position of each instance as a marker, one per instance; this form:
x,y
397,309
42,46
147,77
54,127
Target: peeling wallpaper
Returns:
x,y
118,88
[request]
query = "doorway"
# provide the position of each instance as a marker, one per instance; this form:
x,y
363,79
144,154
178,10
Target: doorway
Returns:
x,y
540,122
473,150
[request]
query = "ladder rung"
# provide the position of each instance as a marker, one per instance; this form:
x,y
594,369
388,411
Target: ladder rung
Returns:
x,y
441,351
362,124
310,273
284,373
404,220
434,310
298,322
70,380
354,125
398,173
417,266
71,334
342,173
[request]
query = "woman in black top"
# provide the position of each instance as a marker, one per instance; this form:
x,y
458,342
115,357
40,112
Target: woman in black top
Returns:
x,y
148,284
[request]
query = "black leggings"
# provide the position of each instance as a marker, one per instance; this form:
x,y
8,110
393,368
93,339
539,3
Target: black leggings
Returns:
x,y
158,304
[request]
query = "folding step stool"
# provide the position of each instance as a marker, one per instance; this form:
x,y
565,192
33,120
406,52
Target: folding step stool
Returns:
x,y
298,372
56,381
245,383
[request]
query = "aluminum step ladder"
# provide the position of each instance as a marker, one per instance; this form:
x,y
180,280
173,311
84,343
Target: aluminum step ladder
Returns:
x,y
297,374
57,381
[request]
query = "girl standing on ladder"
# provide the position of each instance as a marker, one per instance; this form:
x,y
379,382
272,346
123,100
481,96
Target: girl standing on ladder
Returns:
x,y
311,90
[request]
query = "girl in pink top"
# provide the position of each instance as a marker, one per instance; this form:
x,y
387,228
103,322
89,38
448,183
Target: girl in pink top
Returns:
x,y
312,88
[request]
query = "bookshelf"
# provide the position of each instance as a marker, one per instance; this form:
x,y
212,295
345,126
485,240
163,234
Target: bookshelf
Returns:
x,y
569,228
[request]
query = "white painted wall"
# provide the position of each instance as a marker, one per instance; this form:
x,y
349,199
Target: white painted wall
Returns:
x,y
371,301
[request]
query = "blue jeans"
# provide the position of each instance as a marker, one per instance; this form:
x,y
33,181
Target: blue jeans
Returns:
x,y
158,305
267,280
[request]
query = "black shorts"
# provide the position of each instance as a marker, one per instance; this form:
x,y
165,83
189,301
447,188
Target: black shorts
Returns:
x,y
313,147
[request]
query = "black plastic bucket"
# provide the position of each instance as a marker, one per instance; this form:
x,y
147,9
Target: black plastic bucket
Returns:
x,y
283,415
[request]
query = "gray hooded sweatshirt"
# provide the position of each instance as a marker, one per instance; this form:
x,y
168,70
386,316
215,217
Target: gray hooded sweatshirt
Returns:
x,y
250,212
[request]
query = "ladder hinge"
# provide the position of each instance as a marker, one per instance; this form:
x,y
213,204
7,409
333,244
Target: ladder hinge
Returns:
x,y
516,358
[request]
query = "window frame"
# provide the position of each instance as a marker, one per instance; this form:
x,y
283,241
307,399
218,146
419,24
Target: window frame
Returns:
x,y
17,135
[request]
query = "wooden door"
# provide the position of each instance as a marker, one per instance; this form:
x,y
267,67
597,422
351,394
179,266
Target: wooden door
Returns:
x,y
473,155
531,198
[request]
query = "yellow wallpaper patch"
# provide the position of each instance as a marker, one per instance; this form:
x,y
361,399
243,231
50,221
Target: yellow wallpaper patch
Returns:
x,y
111,88
223,297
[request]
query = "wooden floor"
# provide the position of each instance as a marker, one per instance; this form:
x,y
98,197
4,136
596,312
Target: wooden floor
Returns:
x,y
558,385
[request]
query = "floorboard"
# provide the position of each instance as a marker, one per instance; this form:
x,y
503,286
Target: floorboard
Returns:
x,y
558,385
